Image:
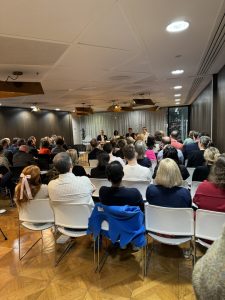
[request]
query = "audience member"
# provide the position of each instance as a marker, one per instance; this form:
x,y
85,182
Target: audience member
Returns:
x,y
191,137
121,144
158,140
116,134
95,150
210,194
69,187
174,140
188,148
208,275
142,160
133,171
196,157
201,173
167,191
30,187
44,147
167,141
102,137
145,133
100,170
109,149
59,145
23,158
118,195
130,133
150,153
77,170
3,159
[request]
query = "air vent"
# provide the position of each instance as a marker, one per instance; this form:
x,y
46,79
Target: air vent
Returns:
x,y
138,102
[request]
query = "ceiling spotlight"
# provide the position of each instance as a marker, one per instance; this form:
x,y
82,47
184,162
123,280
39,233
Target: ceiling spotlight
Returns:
x,y
177,100
177,87
57,109
177,26
177,95
35,108
177,72
0,104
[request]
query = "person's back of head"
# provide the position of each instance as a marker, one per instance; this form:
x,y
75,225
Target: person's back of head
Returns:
x,y
150,142
121,143
21,142
158,135
166,140
217,172
211,154
168,174
44,143
73,155
174,134
103,160
4,142
59,141
129,152
62,162
94,143
205,141
114,172
24,148
171,152
108,148
140,148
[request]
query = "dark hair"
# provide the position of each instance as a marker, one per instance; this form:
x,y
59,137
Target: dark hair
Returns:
x,y
94,143
14,140
205,141
129,151
103,160
217,172
59,140
174,134
158,136
44,143
30,142
150,142
114,172
4,142
21,142
1,148
171,152
116,132
107,148
62,162
121,143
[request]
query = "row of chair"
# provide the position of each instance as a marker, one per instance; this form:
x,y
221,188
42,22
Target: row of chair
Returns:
x,y
71,219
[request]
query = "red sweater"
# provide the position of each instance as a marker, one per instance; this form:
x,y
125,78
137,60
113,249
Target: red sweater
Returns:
x,y
208,196
44,151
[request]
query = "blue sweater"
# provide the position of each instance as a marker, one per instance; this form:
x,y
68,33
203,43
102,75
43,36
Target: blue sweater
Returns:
x,y
126,224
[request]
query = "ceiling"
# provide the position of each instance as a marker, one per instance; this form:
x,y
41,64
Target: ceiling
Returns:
x,y
97,51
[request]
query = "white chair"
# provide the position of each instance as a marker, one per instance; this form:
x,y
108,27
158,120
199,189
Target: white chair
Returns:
x,y
35,215
140,185
209,226
189,179
71,219
99,182
169,221
194,186
93,163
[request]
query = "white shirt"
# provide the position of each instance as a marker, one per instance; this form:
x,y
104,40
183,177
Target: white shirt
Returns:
x,y
69,187
136,172
113,158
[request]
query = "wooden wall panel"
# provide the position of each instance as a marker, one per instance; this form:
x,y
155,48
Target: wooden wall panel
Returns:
x,y
24,123
201,111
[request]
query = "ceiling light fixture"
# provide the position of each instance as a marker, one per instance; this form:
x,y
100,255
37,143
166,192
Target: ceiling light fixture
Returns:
x,y
177,26
177,72
177,87
35,108
57,109
177,100
177,95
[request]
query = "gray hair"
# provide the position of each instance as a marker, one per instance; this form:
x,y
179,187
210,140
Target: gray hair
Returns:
x,y
62,162
140,148
205,141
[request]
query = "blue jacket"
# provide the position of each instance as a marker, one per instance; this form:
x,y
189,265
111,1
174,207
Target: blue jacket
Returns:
x,y
126,224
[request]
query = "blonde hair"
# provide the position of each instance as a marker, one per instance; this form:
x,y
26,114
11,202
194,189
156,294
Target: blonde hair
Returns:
x,y
34,182
168,174
73,155
140,137
211,155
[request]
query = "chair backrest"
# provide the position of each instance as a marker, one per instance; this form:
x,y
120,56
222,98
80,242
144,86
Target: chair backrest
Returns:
x,y
71,215
167,220
16,171
190,171
194,186
209,224
140,185
93,163
36,211
44,161
99,182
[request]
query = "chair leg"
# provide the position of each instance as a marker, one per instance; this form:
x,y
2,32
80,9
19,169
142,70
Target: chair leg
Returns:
x,y
5,237
22,256
194,256
66,250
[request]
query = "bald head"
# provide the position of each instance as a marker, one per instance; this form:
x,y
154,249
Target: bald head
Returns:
x,y
166,140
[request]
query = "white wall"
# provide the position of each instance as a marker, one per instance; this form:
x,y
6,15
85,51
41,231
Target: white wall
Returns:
x,y
76,130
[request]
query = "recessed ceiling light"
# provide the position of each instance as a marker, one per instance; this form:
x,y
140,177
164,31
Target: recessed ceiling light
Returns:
x,y
177,26
177,72
177,100
177,87
0,104
177,95
57,109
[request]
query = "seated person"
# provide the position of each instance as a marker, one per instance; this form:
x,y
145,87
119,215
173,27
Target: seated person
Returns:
x,y
44,147
100,170
150,153
117,195
23,158
142,160
196,157
33,190
108,148
59,145
167,191
77,170
166,140
210,194
102,137
121,144
202,172
95,150
133,171
171,152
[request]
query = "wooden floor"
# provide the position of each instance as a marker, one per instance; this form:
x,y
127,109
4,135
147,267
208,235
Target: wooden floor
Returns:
x,y
35,277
